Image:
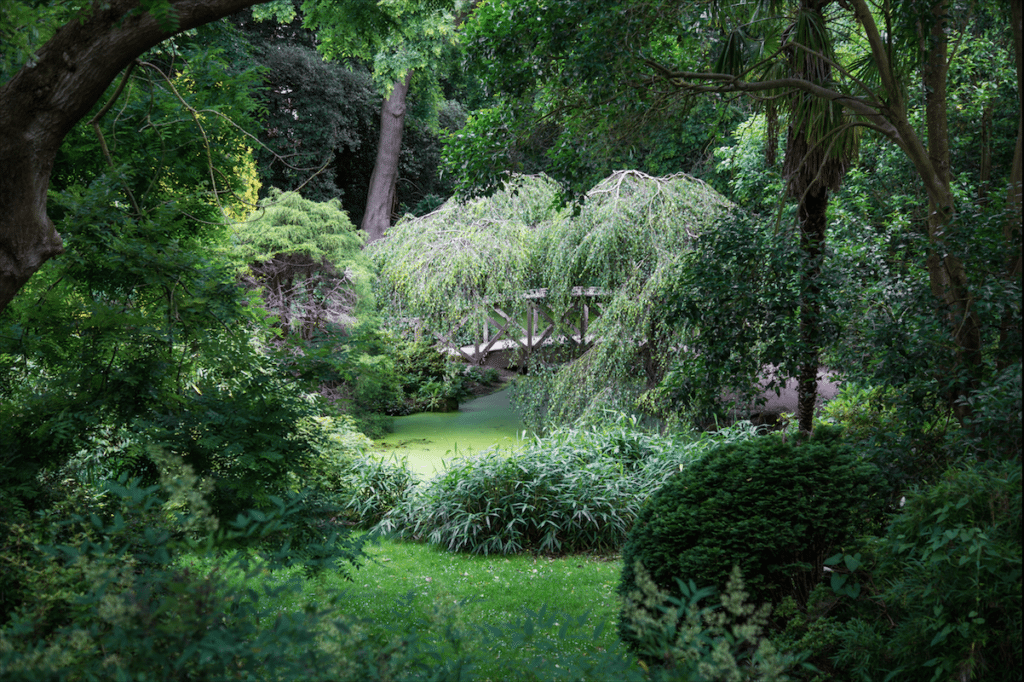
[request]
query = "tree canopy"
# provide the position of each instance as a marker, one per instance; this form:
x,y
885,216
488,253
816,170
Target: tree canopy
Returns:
x,y
67,67
305,258
590,65
636,238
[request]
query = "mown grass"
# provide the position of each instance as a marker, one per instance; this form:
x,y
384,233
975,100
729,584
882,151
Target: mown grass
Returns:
x,y
409,585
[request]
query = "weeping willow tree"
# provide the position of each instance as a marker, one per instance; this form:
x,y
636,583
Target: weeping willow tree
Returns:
x,y
440,267
634,238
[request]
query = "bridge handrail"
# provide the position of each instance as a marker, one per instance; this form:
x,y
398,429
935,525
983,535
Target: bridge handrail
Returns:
x,y
575,291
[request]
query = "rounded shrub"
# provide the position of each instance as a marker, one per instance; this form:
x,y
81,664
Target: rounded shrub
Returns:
x,y
774,507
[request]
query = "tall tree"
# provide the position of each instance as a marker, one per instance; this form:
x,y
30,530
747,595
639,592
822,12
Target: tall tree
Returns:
x,y
914,44
410,39
818,151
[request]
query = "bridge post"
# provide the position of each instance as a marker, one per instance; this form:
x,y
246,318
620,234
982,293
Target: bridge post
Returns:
x,y
529,328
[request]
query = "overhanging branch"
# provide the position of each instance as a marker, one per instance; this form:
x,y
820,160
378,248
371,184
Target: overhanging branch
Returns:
x,y
705,81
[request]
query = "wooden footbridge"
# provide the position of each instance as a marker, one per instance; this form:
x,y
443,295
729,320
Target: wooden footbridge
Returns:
x,y
505,329
508,336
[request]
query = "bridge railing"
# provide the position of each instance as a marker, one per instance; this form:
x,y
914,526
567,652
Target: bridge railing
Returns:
x,y
503,328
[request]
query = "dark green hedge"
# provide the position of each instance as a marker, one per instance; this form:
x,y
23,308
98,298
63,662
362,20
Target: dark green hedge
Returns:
x,y
774,506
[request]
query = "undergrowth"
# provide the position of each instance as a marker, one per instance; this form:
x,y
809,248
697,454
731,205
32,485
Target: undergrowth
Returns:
x,y
575,490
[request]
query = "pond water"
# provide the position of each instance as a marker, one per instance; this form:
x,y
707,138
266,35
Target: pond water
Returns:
x,y
429,438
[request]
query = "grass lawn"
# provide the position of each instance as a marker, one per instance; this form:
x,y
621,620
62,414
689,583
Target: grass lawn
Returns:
x,y
407,586
408,583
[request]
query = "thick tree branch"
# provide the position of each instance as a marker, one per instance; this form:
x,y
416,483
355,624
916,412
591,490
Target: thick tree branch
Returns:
x,y
879,54
887,119
724,83
44,100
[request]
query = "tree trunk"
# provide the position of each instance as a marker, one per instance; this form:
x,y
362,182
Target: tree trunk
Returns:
x,y
947,274
815,163
44,100
380,200
813,224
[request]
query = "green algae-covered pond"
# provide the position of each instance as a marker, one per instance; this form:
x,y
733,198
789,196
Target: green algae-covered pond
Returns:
x,y
428,438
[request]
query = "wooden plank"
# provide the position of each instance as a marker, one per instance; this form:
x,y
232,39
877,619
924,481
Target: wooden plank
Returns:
x,y
501,332
512,338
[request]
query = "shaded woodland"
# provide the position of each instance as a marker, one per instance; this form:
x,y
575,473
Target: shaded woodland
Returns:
x,y
238,239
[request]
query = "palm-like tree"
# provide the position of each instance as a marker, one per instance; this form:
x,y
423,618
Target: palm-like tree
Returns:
x,y
820,145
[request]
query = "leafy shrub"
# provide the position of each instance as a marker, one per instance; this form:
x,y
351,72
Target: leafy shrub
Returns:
x,y
688,641
431,379
576,490
243,442
862,411
943,585
996,423
771,506
377,385
361,485
336,443
485,376
110,601
418,363
373,487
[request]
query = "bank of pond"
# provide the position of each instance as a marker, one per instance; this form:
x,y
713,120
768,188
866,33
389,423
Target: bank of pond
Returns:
x,y
604,553
427,439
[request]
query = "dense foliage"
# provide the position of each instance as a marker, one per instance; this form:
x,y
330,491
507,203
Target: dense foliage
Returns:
x,y
306,263
139,335
442,265
576,490
322,123
196,357
775,508
947,575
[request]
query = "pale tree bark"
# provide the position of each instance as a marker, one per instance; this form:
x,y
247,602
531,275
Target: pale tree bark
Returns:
x,y
380,199
44,100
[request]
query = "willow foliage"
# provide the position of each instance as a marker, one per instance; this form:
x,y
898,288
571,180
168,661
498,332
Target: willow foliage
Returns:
x,y
632,240
444,264
631,227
